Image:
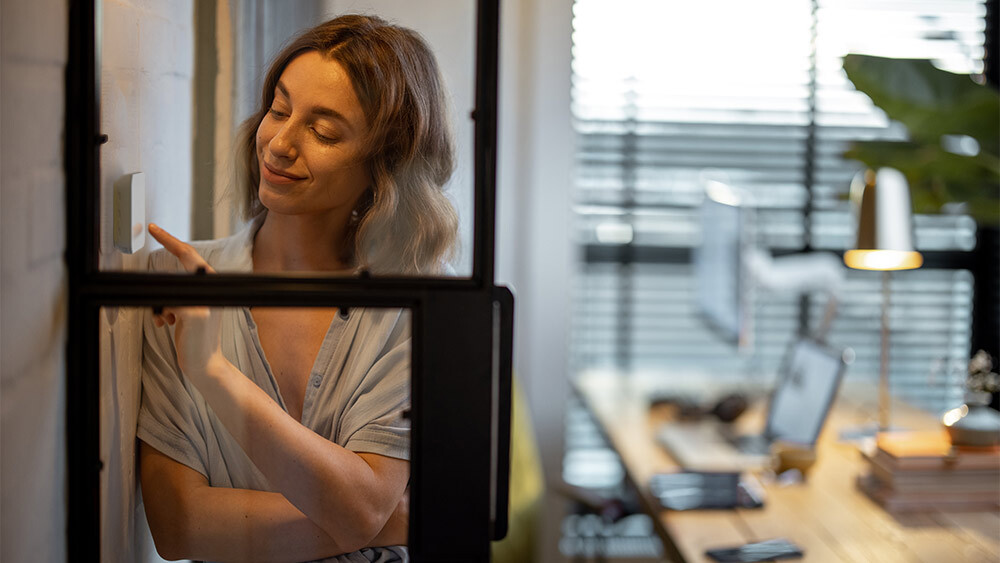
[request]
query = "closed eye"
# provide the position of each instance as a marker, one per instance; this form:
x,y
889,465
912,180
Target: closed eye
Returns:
x,y
324,138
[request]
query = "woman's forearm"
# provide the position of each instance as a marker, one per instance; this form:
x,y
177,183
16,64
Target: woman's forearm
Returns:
x,y
192,520
258,526
337,489
244,525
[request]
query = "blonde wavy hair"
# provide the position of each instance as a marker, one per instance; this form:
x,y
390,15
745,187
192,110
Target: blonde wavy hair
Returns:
x,y
404,223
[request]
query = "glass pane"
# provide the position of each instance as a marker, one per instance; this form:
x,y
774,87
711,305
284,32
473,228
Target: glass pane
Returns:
x,y
255,447
323,141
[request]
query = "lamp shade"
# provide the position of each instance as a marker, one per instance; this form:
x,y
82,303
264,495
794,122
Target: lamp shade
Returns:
x,y
881,203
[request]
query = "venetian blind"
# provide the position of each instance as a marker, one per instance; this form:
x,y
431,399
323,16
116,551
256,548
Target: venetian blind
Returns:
x,y
663,91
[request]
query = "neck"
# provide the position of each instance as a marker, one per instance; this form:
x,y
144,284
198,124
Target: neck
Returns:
x,y
295,243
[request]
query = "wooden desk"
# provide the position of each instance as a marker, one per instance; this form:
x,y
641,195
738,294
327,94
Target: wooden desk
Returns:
x,y
827,516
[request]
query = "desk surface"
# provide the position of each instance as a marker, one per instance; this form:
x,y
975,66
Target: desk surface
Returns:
x,y
827,516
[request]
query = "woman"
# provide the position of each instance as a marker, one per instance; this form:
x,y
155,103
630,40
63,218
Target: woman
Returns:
x,y
279,434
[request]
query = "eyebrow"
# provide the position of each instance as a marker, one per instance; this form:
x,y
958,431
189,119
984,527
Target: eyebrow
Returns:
x,y
320,110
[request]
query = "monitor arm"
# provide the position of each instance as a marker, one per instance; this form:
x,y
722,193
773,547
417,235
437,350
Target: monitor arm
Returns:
x,y
801,273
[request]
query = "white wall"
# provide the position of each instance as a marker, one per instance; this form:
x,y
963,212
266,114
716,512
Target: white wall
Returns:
x,y
146,111
33,302
534,252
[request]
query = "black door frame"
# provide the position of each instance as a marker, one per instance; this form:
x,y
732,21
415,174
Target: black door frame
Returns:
x,y
462,328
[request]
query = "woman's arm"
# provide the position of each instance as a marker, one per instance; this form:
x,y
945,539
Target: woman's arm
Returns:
x,y
190,519
349,495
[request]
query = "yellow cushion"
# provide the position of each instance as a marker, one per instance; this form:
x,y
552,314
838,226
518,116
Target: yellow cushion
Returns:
x,y
527,486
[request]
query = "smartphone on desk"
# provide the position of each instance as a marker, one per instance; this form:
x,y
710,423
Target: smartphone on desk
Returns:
x,y
758,551
694,490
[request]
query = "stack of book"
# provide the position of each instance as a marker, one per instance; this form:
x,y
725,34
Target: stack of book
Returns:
x,y
915,471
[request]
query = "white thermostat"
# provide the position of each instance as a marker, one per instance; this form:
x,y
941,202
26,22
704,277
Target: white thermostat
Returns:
x,y
130,212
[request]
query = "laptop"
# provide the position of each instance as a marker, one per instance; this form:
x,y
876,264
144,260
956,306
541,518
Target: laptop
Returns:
x,y
804,392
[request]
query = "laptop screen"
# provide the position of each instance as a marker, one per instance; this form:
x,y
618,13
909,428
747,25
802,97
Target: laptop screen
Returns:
x,y
804,393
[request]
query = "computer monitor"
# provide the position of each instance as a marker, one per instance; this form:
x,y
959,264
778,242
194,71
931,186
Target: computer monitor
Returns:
x,y
719,263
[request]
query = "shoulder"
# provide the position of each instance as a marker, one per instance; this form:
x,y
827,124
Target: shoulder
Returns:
x,y
381,330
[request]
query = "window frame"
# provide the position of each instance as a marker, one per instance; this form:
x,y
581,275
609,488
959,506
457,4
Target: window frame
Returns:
x,y
459,477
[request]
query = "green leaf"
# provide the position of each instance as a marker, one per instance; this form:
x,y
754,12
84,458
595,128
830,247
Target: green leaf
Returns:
x,y
929,101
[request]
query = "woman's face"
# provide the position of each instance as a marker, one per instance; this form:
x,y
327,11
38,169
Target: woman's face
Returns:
x,y
309,143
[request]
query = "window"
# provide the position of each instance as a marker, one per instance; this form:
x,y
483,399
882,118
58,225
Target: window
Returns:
x,y
663,92
666,94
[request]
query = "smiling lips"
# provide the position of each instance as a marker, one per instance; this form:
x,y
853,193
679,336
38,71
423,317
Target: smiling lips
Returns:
x,y
275,176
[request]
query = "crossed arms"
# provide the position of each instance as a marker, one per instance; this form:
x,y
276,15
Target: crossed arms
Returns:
x,y
328,500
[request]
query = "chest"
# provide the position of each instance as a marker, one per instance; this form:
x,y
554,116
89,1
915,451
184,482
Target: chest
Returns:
x,y
291,338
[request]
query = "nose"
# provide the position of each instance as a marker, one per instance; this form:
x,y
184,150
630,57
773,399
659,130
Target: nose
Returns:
x,y
282,145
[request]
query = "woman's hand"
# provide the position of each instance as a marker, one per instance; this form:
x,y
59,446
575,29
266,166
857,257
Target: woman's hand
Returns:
x,y
196,329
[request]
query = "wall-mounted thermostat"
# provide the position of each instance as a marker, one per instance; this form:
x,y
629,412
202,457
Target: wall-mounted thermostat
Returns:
x,y
130,212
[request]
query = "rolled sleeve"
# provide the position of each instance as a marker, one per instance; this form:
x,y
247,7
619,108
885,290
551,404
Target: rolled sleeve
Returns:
x,y
168,413
377,421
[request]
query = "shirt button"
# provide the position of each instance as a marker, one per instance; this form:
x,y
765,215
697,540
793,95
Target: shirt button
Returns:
x,y
316,381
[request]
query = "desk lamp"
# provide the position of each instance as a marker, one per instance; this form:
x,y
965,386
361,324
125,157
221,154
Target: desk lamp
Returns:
x,y
881,203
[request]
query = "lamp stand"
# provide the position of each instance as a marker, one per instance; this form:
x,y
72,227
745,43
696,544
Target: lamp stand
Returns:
x,y
884,414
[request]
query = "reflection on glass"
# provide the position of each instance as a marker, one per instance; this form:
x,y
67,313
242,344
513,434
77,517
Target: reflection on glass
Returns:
x,y
343,159
264,433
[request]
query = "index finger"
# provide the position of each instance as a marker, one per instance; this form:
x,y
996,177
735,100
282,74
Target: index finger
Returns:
x,y
184,252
